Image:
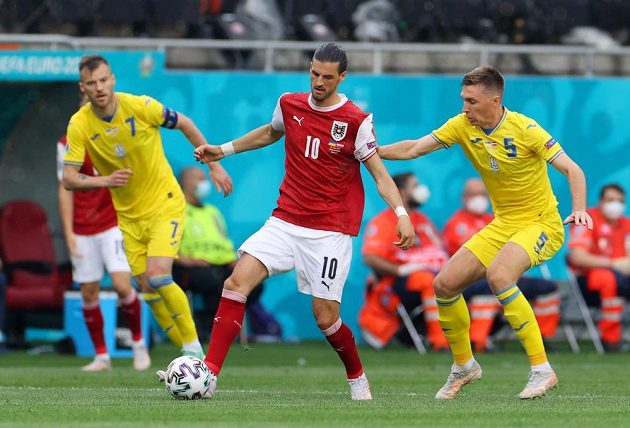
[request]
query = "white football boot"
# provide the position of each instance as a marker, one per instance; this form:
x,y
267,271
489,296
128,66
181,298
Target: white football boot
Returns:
x,y
100,363
141,358
457,380
538,383
360,388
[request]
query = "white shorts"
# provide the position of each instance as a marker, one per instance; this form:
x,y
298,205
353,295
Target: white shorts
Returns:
x,y
103,249
321,258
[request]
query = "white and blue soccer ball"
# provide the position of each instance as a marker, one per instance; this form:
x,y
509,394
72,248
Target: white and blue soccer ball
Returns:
x,y
188,378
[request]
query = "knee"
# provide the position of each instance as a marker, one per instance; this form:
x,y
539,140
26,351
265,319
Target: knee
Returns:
x,y
444,288
325,320
89,293
325,317
234,283
603,280
498,278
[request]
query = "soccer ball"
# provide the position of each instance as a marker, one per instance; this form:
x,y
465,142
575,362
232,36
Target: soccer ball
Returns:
x,y
187,378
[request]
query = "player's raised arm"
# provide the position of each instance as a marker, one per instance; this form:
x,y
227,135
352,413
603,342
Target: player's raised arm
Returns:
x,y
390,194
409,149
254,139
577,185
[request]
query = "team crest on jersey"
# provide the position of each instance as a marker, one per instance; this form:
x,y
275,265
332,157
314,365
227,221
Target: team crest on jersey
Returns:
x,y
494,164
120,151
339,130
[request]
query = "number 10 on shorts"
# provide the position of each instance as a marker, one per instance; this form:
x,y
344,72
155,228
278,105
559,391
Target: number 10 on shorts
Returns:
x,y
329,268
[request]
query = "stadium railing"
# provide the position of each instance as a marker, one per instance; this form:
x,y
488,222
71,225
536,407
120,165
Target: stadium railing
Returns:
x,y
373,58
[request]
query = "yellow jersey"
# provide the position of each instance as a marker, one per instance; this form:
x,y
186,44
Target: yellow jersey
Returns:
x,y
129,139
511,161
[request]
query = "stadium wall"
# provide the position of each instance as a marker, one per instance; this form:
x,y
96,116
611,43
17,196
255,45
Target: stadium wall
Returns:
x,y
587,115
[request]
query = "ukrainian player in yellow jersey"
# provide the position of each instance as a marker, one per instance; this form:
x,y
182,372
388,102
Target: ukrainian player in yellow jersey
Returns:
x,y
121,134
510,151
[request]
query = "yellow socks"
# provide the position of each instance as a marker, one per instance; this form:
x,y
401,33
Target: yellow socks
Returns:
x,y
455,321
521,317
163,318
177,304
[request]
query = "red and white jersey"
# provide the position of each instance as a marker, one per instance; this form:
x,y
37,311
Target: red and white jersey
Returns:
x,y
461,227
605,239
322,187
380,236
93,211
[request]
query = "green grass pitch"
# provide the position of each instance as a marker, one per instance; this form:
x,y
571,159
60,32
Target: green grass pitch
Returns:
x,y
303,385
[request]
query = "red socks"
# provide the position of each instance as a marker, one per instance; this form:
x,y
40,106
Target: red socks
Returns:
x,y
227,323
342,341
94,322
130,307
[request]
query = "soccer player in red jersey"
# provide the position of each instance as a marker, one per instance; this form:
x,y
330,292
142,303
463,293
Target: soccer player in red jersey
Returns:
x,y
320,208
601,258
93,238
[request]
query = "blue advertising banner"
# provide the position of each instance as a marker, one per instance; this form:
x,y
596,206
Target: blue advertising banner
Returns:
x,y
64,65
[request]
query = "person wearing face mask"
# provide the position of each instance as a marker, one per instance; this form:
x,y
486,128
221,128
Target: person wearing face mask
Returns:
x,y
402,276
601,259
482,304
207,258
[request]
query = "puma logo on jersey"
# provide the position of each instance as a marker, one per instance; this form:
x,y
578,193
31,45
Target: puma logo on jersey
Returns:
x,y
298,120
327,286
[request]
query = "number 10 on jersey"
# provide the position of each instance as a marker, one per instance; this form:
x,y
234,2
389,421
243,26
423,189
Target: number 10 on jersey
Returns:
x,y
312,147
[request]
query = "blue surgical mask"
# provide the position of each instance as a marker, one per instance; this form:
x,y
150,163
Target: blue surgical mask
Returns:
x,y
202,189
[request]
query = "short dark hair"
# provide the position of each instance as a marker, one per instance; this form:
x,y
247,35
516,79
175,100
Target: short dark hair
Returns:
x,y
611,186
486,75
401,180
331,52
91,62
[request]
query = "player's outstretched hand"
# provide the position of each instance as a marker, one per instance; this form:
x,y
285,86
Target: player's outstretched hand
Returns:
x,y
406,233
221,179
581,218
118,178
208,153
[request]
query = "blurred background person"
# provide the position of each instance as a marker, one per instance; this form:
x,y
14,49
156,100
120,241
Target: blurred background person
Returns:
x,y
207,258
3,286
404,276
482,303
601,260
94,241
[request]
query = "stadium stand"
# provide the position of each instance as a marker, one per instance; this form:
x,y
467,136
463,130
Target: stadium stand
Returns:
x,y
524,34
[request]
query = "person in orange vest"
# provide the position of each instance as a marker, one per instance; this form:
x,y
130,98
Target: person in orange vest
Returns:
x,y
482,303
402,276
601,260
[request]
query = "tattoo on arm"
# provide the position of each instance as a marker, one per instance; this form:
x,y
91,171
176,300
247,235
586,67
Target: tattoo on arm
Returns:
x,y
82,176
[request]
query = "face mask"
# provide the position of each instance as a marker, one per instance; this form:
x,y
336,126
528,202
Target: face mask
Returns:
x,y
420,195
613,210
477,204
202,189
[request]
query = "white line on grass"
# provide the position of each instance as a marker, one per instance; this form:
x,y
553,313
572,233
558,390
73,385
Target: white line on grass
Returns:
x,y
268,392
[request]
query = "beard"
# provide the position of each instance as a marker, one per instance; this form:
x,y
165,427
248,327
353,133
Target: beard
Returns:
x,y
321,97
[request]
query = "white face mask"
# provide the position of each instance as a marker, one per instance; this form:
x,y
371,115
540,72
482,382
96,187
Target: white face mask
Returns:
x,y
613,210
477,204
202,189
420,194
